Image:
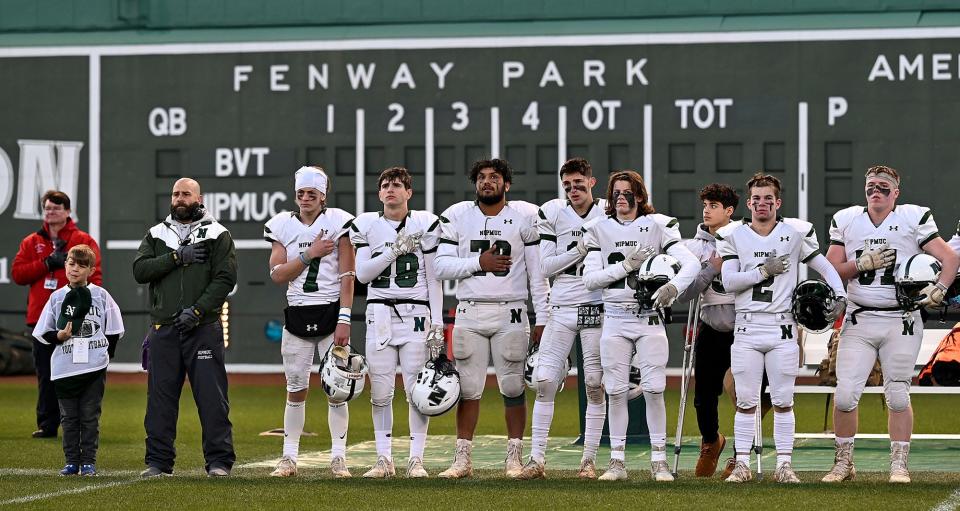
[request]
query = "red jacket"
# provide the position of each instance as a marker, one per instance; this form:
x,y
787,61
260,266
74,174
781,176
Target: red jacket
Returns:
x,y
30,270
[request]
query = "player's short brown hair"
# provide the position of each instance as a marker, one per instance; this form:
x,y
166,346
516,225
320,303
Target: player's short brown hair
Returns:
x,y
724,194
83,255
883,170
57,197
500,165
576,166
760,180
639,190
399,173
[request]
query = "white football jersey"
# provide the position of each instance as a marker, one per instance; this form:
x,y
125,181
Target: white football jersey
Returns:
x,y
317,283
406,277
703,246
560,229
954,242
608,240
906,230
790,236
465,232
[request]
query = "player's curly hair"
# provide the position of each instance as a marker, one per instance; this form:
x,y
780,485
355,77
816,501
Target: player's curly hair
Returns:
x,y
717,192
883,169
639,190
501,166
399,173
760,179
576,166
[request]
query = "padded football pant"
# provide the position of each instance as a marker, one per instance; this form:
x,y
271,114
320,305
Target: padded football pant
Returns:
x,y
765,341
485,330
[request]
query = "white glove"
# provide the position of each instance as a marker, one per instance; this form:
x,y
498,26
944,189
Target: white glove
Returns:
x,y
876,258
774,265
581,247
838,305
665,296
405,243
637,256
933,295
435,341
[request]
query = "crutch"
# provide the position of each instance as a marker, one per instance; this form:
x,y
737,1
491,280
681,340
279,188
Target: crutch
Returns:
x,y
689,355
758,434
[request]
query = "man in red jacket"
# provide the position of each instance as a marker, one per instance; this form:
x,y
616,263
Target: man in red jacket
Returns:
x,y
39,264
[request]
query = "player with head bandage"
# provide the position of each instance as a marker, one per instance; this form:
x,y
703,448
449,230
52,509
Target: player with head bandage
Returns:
x,y
573,311
311,255
866,245
491,248
617,245
395,258
758,255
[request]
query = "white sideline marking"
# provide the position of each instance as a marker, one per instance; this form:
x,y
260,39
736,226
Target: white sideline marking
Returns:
x,y
71,491
951,503
51,471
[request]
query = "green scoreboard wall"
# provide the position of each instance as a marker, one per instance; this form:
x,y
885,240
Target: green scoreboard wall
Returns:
x,y
116,125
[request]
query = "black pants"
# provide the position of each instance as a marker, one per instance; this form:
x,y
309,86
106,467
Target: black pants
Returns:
x,y
199,356
48,410
81,423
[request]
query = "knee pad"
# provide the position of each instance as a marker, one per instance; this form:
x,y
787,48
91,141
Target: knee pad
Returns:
x,y
781,398
512,385
381,396
747,400
654,382
592,379
297,382
546,390
594,393
510,402
846,399
619,398
897,395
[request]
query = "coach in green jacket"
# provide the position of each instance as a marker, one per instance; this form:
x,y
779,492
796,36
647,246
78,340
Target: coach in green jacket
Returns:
x,y
190,262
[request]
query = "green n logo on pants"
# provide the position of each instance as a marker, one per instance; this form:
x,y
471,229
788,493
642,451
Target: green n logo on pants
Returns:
x,y
419,324
786,331
516,315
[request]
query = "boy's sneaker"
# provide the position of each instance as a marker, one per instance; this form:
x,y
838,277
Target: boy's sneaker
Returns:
x,y
152,471
70,469
88,469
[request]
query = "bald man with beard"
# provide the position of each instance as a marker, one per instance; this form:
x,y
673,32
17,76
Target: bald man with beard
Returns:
x,y
189,261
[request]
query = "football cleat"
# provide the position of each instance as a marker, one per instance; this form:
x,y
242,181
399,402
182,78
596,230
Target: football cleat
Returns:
x,y
338,466
741,473
617,471
382,469
785,474
415,468
532,470
843,469
588,469
286,467
514,460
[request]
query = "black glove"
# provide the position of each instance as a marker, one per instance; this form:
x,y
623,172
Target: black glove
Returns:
x,y
187,320
191,254
56,260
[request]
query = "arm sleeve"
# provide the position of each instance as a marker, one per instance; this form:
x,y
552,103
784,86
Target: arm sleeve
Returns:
x,y
595,276
735,280
27,267
369,268
539,287
820,265
434,289
148,266
552,261
224,274
50,337
449,264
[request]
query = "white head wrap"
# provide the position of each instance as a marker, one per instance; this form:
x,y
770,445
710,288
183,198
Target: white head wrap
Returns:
x,y
311,177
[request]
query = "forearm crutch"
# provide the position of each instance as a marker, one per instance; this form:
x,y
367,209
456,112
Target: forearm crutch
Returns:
x,y
758,434
689,356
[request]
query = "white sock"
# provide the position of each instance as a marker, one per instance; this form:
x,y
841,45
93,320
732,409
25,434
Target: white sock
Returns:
x,y
294,416
743,433
657,424
619,418
593,428
843,440
896,443
784,426
783,458
383,429
338,418
542,417
418,431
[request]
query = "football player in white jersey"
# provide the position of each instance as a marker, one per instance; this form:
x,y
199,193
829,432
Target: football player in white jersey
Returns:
x,y
757,256
573,311
715,333
395,255
490,247
866,243
617,244
311,255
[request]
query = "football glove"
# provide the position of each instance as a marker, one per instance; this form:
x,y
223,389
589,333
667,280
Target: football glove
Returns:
x,y
436,341
932,295
774,265
637,256
665,296
876,258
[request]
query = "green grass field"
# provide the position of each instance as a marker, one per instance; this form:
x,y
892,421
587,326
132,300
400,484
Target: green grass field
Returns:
x,y
28,467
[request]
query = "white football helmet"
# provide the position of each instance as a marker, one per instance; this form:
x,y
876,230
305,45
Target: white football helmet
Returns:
x,y
437,388
342,373
912,275
635,390
533,359
651,276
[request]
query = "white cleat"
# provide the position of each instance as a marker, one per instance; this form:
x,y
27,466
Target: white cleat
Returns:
x,y
338,467
514,460
741,473
532,470
898,464
617,471
415,468
588,469
660,472
286,467
462,466
382,469
843,469
785,474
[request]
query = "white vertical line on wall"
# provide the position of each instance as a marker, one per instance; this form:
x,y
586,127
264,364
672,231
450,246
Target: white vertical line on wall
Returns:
x,y
561,146
648,149
494,132
429,153
803,170
360,153
94,147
